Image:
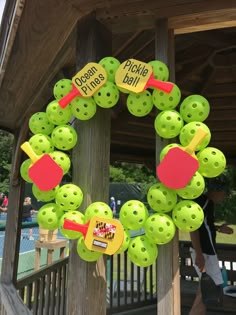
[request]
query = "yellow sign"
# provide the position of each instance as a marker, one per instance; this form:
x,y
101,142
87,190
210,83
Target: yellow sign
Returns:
x,y
132,75
90,79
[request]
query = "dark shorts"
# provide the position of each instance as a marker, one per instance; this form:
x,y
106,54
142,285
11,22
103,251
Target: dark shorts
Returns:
x,y
27,219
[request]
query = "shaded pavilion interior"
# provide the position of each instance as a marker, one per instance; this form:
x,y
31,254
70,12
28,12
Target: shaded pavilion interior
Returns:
x,y
39,48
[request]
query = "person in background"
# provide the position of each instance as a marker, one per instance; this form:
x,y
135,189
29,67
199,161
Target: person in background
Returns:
x,y
203,250
28,211
113,205
3,203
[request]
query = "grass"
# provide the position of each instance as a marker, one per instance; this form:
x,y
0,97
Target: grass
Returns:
x,y
220,237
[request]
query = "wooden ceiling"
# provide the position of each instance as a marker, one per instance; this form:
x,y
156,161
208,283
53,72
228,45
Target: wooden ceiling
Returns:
x,y
39,49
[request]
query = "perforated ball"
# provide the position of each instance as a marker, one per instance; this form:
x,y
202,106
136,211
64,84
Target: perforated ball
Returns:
x,y
49,216
125,243
168,124
44,196
75,216
83,108
133,214
160,228
39,123
166,101
142,252
167,148
41,144
188,132
64,137
99,209
24,170
160,69
58,115
62,159
107,96
62,88
160,198
69,197
212,162
187,215
110,64
194,108
194,188
140,104
86,254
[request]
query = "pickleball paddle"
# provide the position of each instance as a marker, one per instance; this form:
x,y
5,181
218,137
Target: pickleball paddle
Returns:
x,y
136,76
180,164
85,83
100,234
212,294
45,173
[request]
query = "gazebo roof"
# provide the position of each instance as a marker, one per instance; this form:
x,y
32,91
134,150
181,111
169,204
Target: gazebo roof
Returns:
x,y
38,49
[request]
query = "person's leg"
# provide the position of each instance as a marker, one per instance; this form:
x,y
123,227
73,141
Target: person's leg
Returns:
x,y
198,308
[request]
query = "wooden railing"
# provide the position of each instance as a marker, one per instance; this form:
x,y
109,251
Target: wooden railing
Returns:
x,y
128,286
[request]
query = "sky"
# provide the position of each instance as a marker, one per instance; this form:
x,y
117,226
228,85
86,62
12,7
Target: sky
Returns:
x,y
2,4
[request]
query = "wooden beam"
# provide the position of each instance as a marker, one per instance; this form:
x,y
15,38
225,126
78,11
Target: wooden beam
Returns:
x,y
86,291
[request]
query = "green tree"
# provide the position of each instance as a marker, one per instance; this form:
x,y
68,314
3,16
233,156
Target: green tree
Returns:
x,y
6,144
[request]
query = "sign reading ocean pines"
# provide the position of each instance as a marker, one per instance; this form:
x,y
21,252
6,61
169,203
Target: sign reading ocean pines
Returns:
x,y
91,78
136,76
133,75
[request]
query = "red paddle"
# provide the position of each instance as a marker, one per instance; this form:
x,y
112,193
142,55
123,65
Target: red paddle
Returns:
x,y
136,76
45,173
85,83
100,234
180,164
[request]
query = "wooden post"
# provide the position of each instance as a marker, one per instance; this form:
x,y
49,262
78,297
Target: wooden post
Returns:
x,y
168,282
86,290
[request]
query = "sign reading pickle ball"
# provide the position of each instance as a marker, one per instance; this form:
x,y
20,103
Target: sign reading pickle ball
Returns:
x,y
85,83
135,76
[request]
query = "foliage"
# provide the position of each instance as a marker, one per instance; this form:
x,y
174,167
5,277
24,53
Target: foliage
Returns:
x,y
133,174
6,144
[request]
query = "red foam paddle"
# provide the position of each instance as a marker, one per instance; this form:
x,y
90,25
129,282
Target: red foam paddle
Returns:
x,y
180,164
45,173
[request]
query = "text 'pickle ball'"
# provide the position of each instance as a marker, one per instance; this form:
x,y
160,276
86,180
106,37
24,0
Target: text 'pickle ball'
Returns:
x,y
69,197
62,88
49,216
39,123
133,214
187,215
168,124
160,228
194,108
212,162
75,216
64,137
99,209
188,132
140,104
161,198
142,252
166,101
86,254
